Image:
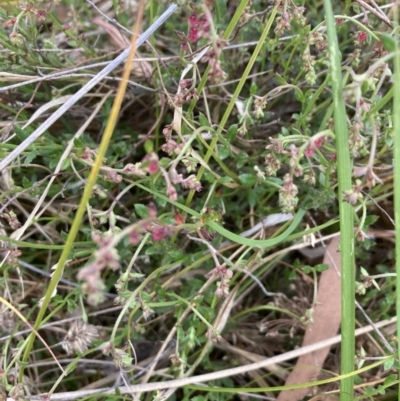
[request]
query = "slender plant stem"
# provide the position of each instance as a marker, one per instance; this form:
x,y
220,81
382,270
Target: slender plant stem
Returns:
x,y
345,209
396,172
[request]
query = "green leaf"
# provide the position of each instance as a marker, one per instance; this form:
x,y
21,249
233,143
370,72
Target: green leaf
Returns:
x,y
26,183
321,179
73,43
248,180
176,255
223,180
388,41
203,120
141,210
151,251
223,151
53,163
149,146
21,133
371,219
299,94
253,89
252,198
241,160
30,156
231,133
78,143
319,198
65,164
220,9
307,269
321,267
280,80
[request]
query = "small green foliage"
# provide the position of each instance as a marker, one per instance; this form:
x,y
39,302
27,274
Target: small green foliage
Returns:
x,y
141,210
248,180
321,267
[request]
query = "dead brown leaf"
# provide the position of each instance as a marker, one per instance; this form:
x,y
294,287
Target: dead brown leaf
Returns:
x,y
142,68
326,324
121,41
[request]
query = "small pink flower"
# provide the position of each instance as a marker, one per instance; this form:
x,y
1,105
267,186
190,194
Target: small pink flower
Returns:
x,y
365,106
10,22
179,219
184,46
174,176
152,209
221,272
160,232
222,289
319,142
112,176
362,36
204,23
192,183
192,20
40,14
152,163
134,237
184,83
153,167
101,239
171,193
169,147
309,152
193,35
88,154
167,131
134,169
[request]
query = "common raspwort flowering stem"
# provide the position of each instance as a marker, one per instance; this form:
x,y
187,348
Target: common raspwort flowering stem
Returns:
x,y
127,54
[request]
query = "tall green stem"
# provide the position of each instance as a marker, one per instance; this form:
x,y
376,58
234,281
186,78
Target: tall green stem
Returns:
x,y
396,183
344,168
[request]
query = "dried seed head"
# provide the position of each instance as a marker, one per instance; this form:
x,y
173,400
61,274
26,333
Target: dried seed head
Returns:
x,y
7,319
79,337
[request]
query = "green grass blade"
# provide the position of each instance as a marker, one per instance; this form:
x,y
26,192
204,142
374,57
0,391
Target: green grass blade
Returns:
x,y
346,211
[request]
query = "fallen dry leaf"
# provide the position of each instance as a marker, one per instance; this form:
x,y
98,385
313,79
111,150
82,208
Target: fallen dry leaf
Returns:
x,y
121,41
142,68
326,324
